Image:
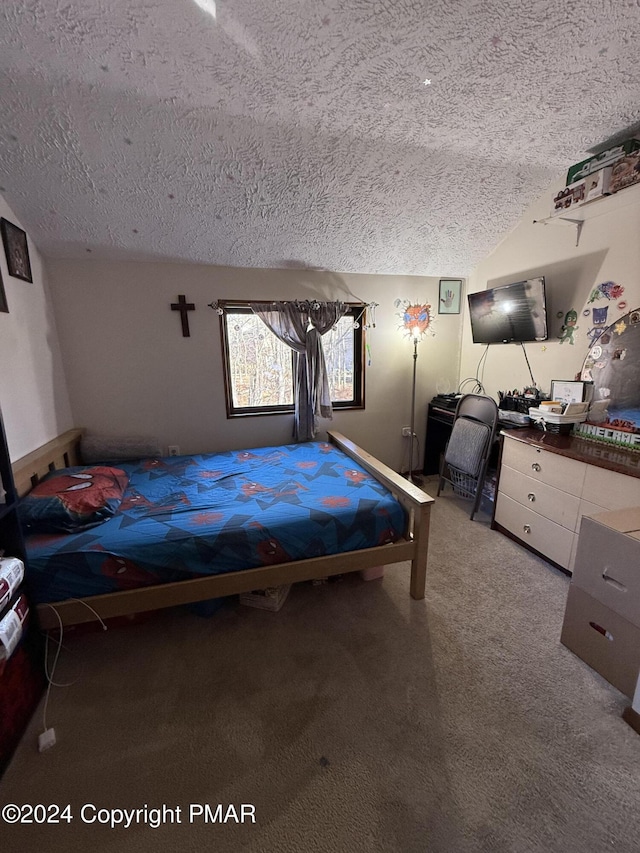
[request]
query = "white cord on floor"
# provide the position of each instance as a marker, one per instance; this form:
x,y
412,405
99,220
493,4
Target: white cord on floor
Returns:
x,y
89,607
46,670
50,682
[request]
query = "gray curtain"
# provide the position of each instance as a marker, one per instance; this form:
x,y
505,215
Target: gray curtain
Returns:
x,y
300,325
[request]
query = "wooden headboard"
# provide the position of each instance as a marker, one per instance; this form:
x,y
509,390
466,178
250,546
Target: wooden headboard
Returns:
x,y
62,452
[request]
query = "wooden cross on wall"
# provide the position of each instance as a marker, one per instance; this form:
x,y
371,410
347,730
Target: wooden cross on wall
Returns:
x,y
183,306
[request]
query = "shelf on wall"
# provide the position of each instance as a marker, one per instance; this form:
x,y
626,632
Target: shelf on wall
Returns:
x,y
569,220
598,207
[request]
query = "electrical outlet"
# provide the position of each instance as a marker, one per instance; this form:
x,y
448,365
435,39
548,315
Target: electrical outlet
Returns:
x,y
174,450
406,432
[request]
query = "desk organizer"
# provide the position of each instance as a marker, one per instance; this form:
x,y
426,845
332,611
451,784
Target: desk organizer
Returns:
x,y
553,422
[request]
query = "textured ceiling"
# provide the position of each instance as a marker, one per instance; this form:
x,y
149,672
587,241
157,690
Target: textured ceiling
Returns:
x,y
276,132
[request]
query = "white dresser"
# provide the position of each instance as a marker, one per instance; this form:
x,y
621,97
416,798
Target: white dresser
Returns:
x,y
548,482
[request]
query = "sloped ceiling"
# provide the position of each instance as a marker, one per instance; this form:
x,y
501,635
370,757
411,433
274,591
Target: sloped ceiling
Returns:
x,y
358,136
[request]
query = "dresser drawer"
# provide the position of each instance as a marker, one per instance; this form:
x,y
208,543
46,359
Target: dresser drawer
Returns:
x,y
587,508
607,564
541,465
610,489
547,537
539,497
603,639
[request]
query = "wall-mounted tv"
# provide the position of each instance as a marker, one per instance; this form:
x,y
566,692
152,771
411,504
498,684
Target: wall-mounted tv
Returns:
x,y
511,313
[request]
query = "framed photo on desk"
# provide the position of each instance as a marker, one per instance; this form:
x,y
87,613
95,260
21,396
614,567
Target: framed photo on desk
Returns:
x,y
567,391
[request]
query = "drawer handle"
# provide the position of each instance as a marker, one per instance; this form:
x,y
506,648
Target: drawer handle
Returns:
x,y
526,528
601,630
531,497
613,582
536,466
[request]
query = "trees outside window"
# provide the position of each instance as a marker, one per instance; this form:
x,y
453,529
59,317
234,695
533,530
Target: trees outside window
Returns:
x,y
259,367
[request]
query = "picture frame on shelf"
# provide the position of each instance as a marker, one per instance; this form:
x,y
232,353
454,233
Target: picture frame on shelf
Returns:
x,y
16,250
449,296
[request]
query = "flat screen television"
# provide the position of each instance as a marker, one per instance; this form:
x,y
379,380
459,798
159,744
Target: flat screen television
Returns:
x,y
511,313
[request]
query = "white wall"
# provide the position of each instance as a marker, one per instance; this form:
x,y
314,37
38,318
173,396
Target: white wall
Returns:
x,y
33,392
609,250
130,370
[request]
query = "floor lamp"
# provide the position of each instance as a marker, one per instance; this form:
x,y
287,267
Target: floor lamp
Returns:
x,y
416,323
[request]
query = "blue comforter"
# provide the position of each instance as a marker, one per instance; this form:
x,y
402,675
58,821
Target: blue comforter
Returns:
x,y
188,516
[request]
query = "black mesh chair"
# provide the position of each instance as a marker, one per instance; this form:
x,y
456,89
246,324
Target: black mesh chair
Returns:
x,y
466,456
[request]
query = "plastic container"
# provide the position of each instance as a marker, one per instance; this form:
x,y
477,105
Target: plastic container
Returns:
x,y
555,418
553,422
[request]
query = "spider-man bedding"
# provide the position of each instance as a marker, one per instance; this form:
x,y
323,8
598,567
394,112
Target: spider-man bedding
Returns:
x,y
187,516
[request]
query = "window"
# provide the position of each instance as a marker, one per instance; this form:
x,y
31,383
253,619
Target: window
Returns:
x,y
258,367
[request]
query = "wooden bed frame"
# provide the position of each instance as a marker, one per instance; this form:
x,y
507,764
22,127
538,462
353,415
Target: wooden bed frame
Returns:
x,y
63,452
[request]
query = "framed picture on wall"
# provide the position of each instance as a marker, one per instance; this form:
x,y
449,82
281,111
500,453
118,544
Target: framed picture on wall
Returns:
x,y
449,296
16,250
3,297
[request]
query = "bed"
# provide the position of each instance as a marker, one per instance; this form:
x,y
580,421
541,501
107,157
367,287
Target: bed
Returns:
x,y
282,529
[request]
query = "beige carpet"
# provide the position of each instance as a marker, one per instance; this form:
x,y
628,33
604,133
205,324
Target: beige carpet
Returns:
x,y
354,720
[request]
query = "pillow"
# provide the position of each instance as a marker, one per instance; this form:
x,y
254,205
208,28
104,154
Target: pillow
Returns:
x,y
73,499
105,448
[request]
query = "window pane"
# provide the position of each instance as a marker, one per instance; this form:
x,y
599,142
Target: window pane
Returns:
x,y
258,367
260,364
338,347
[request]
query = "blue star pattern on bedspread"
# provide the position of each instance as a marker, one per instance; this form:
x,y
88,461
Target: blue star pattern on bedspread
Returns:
x,y
187,516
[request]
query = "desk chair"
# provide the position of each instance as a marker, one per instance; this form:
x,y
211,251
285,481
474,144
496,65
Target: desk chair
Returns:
x,y
466,456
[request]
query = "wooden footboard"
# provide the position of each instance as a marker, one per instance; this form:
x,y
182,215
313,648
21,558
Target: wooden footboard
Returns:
x,y
413,546
417,505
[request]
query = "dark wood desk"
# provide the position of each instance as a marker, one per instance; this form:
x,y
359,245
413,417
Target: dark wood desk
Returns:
x,y
439,426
